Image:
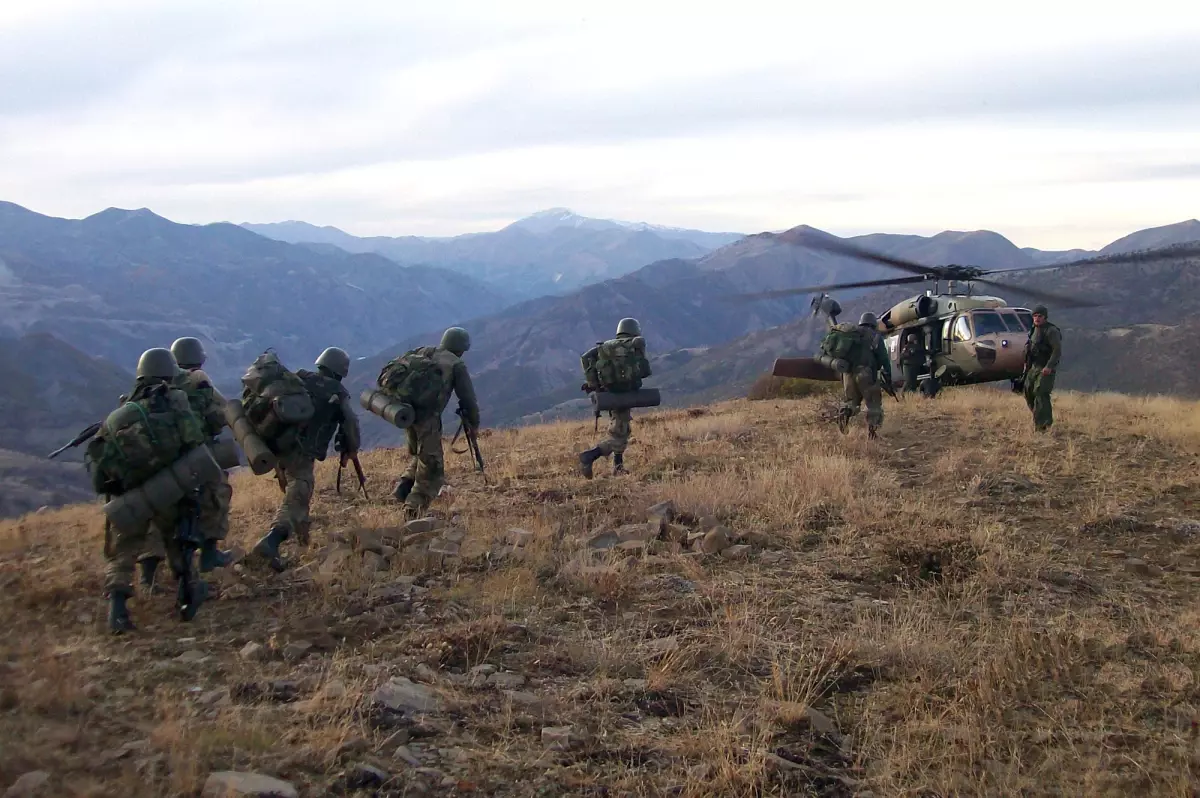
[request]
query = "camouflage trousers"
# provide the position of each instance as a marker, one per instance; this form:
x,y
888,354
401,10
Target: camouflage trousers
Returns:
x,y
1038,388
214,518
619,430
428,467
861,385
121,550
912,374
292,514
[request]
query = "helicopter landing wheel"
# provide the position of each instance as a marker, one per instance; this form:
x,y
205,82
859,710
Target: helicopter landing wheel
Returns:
x,y
930,387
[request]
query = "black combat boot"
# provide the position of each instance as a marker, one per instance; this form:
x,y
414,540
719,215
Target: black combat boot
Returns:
x,y
618,463
149,566
119,621
189,602
871,431
268,547
211,557
403,488
586,459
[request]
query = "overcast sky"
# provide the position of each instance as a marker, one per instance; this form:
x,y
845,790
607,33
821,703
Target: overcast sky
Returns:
x,y
1057,124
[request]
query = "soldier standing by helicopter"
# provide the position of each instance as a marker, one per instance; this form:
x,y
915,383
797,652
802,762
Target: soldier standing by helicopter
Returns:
x,y
912,358
1043,350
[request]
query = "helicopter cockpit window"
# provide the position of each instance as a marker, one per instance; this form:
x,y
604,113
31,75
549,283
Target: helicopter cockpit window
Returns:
x,y
1026,318
962,330
988,323
1013,321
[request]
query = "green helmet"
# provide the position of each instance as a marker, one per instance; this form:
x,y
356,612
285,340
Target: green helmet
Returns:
x,y
456,340
157,363
188,352
629,327
867,319
336,360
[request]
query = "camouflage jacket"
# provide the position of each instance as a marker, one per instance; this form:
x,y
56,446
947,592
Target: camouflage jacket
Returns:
x,y
1043,349
333,410
912,350
456,380
205,400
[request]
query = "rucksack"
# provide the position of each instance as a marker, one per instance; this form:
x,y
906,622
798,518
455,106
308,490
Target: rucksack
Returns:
x,y
621,363
276,402
842,342
415,379
139,439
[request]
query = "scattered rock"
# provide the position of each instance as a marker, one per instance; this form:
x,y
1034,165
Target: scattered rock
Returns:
x,y
759,540
373,562
235,591
420,526
454,535
297,649
213,697
716,540
334,690
191,656
739,552
522,697
631,545
401,694
253,652
636,684
364,776
773,763
1142,568
556,738
506,680
709,522
369,540
28,785
486,669
820,722
388,552
663,512
677,533
771,557
334,561
227,784
407,756
661,645
518,537
604,540
443,546
638,532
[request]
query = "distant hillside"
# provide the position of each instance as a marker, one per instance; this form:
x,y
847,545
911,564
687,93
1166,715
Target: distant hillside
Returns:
x,y
28,482
1155,237
551,252
120,281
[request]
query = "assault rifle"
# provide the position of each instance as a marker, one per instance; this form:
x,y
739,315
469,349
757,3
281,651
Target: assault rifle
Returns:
x,y
588,388
191,589
889,388
358,471
81,438
470,433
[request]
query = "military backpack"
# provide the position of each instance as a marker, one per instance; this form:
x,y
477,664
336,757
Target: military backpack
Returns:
x,y
415,379
140,438
276,402
842,342
619,364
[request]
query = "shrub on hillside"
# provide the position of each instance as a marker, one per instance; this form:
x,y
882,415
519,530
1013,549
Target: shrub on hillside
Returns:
x,y
771,387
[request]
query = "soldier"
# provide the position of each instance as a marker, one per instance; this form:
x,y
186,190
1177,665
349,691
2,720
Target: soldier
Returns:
x,y
1043,350
912,358
421,482
619,429
860,377
154,398
208,404
333,412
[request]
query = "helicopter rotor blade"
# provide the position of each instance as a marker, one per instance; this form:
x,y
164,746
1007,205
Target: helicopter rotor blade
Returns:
x,y
812,289
1186,250
1060,300
838,246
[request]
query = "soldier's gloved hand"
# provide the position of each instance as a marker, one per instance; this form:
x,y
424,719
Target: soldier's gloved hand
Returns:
x,y
841,366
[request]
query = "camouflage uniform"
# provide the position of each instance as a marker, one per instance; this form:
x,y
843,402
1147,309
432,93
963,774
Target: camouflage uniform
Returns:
x,y
425,475
861,382
912,359
618,433
122,548
1043,350
208,404
619,428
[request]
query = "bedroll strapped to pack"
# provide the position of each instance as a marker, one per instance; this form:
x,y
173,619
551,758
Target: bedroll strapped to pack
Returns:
x,y
137,441
414,379
621,363
275,402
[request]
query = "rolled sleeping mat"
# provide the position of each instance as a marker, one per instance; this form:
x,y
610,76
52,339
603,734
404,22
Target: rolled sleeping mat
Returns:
x,y
642,397
225,452
803,368
396,413
258,455
162,492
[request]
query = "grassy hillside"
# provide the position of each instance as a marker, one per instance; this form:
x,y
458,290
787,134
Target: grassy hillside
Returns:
x,y
959,608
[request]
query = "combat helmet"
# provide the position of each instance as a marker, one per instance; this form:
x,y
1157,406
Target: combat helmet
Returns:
x,y
157,363
188,352
628,326
867,319
336,361
456,340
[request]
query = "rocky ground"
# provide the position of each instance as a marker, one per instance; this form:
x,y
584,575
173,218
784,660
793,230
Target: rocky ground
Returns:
x,y
762,607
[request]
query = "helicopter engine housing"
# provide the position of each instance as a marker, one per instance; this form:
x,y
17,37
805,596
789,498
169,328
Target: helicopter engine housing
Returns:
x,y
908,310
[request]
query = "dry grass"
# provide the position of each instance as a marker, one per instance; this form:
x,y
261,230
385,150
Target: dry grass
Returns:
x,y
970,608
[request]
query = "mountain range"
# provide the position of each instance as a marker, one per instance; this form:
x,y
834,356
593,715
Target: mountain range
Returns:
x,y
550,252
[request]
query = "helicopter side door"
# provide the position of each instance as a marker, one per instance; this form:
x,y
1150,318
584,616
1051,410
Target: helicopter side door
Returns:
x,y
958,354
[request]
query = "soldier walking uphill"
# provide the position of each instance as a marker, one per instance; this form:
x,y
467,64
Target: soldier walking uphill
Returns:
x,y
332,412
436,372
616,365
208,405
147,433
858,354
1043,350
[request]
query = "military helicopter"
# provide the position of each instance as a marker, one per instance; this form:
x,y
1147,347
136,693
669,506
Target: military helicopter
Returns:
x,y
968,338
